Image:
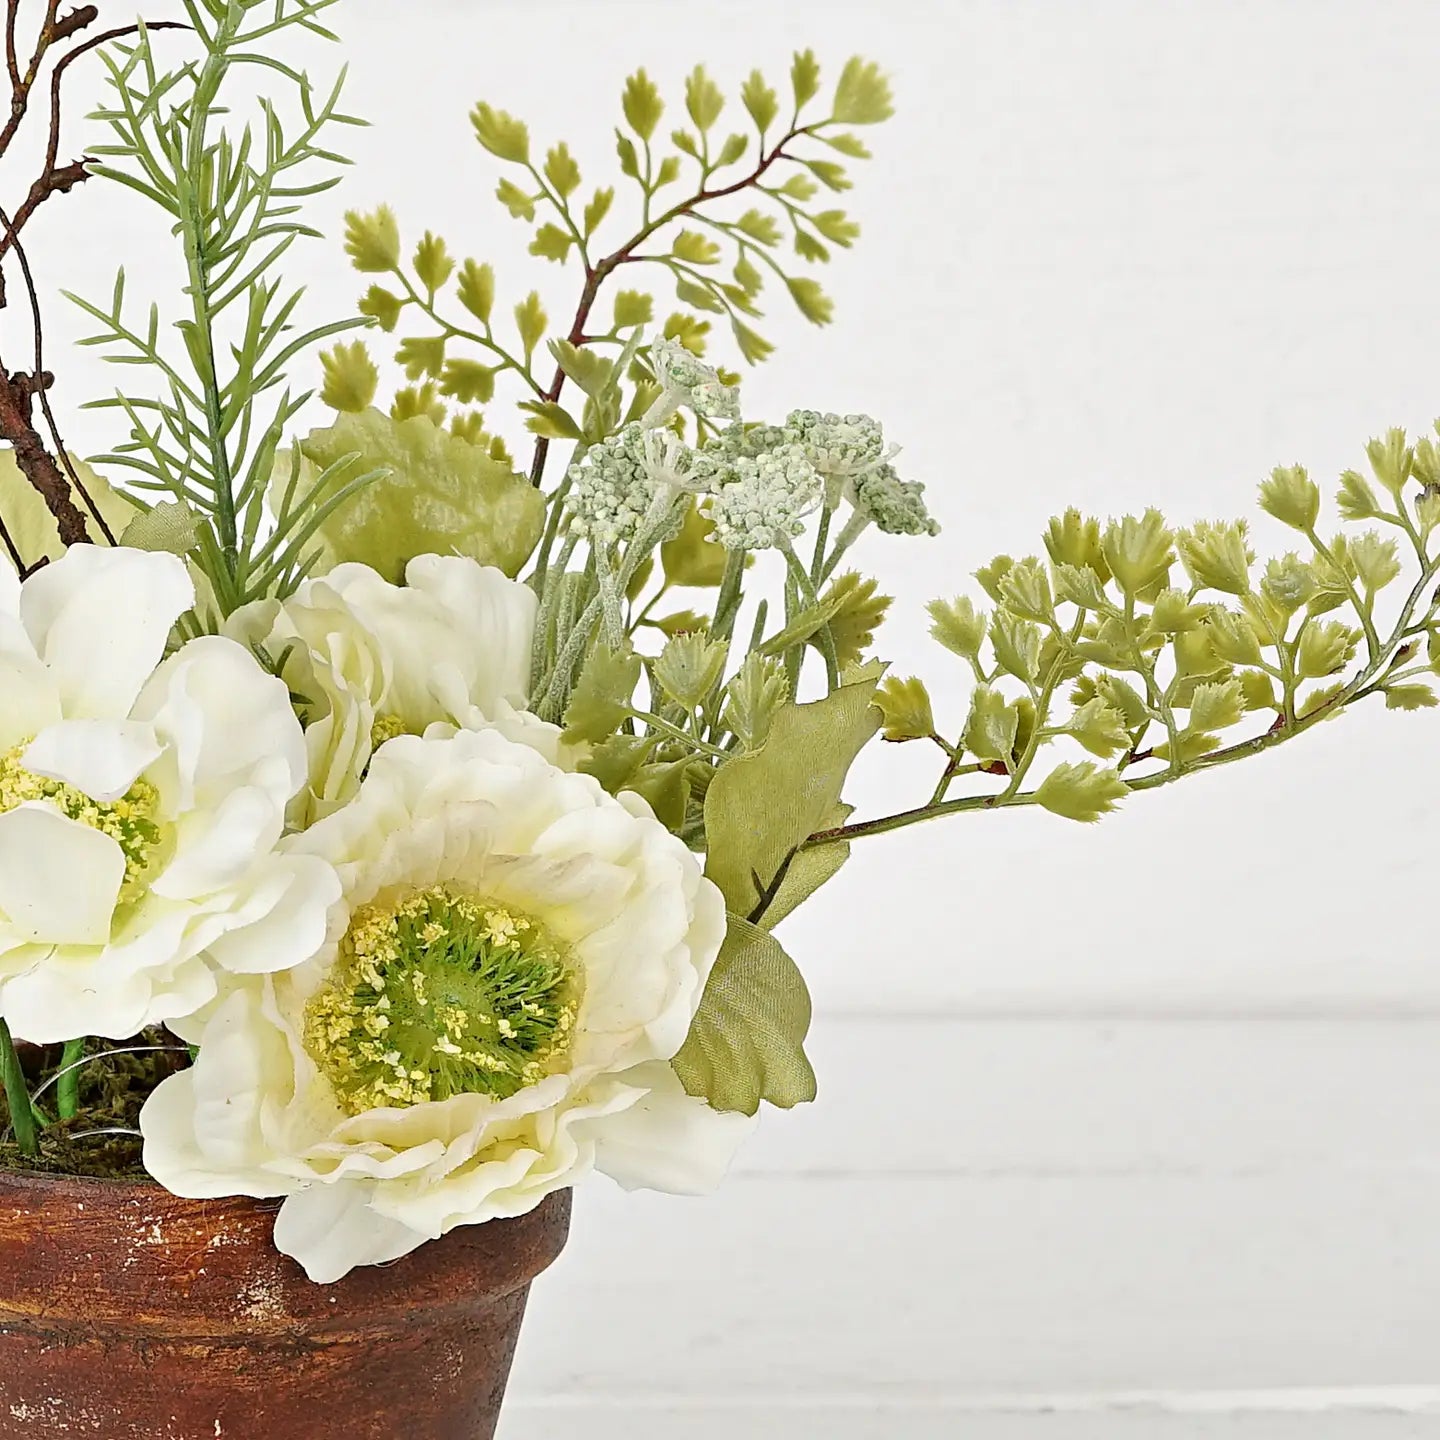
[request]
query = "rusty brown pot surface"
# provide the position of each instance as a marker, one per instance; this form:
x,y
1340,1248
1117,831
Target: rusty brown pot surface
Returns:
x,y
128,1314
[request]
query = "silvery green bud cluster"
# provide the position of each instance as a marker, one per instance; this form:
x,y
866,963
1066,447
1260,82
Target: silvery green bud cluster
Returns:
x,y
690,382
839,446
764,505
615,488
895,506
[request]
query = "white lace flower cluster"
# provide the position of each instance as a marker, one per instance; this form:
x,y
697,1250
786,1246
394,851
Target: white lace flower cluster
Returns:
x,y
761,482
432,974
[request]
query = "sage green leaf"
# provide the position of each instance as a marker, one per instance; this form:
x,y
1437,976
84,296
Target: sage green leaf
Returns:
x,y
551,243
682,622
760,101
351,377
171,526
633,307
642,104
433,262
551,420
477,289
805,77
616,761
30,523
666,788
501,134
703,99
690,667
372,241
754,697
1409,697
562,171
382,306
905,705
761,807
807,624
1081,792
468,381
587,368
530,321
958,626
440,495
861,613
600,702
811,868
747,1042
992,726
863,95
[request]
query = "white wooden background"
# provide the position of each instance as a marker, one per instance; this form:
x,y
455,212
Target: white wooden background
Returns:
x,y
1125,1132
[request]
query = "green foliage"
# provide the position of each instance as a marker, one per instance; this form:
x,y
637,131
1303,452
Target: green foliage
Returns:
x,y
227,190
905,706
601,699
747,1043
1082,792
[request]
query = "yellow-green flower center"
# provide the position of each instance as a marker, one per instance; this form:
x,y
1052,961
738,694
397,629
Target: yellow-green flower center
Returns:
x,y
438,994
131,821
387,727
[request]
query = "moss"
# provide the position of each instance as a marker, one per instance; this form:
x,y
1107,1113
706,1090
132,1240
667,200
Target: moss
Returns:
x,y
112,1091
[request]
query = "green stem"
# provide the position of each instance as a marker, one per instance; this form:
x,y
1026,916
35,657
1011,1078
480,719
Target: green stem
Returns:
x,y
17,1095
656,722
67,1087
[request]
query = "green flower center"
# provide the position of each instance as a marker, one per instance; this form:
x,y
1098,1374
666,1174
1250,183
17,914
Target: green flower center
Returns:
x,y
387,727
131,821
441,993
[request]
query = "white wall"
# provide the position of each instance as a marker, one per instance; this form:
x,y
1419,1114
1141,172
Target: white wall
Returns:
x,y
1115,254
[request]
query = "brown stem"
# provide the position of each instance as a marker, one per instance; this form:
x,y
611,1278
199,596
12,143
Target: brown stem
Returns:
x,y
597,274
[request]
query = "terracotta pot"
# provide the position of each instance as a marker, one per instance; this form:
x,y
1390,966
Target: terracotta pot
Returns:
x,y
127,1314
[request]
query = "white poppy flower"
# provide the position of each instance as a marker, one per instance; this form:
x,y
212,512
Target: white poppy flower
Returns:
x,y
371,660
517,957
141,802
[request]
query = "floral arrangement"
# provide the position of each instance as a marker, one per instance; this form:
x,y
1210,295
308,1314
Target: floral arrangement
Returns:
x,y
395,819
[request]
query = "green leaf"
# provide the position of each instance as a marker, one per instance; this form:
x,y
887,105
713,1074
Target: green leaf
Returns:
x,y
760,227
703,99
1016,644
552,421
351,377
837,227
753,698
530,321
690,667
633,307
1139,552
811,300
629,158
761,807
1217,706
551,243
171,526
600,702
1292,497
693,557
851,145
905,706
1375,559
587,368
860,614
958,626
666,788
421,356
829,174
760,101
1024,590
755,348
807,247
562,171
433,262
733,148
382,306
695,248
422,400
1099,728
992,726
1408,697
668,172
1081,792
642,104
1325,647
747,1042
698,296
437,495
1392,460
682,622
805,626
372,241
468,381
805,77
689,330
1355,499
520,204
863,95
477,289
1217,556
597,210
501,134
1074,539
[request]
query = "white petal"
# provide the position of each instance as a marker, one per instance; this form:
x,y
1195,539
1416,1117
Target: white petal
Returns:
x,y
298,893
28,698
215,848
100,620
103,758
330,1229
669,1140
9,588
59,880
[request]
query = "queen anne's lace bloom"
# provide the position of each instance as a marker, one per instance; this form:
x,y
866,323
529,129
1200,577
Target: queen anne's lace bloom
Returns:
x,y
765,503
628,484
141,804
896,506
517,957
688,381
370,660
838,446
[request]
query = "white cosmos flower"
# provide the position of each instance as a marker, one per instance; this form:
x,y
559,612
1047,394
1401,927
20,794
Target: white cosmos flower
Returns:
x,y
517,957
141,803
371,660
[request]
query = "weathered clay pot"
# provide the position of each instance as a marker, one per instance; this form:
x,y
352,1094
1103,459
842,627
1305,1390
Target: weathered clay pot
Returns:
x,y
127,1314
